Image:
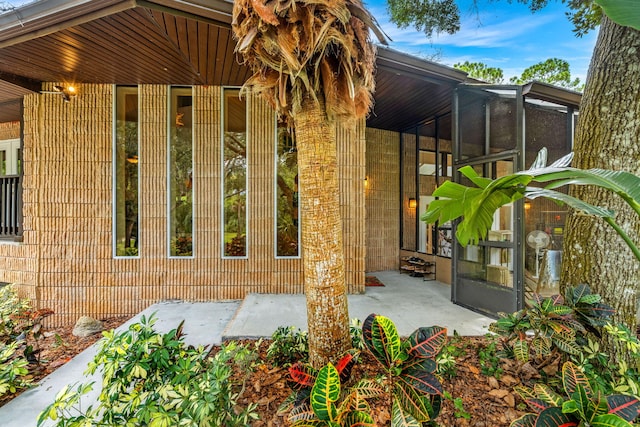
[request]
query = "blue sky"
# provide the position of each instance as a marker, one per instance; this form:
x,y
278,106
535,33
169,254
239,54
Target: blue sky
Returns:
x,y
503,35
497,33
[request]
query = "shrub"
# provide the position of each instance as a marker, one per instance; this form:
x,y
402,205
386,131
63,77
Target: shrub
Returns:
x,y
556,323
13,370
409,383
582,405
155,379
288,345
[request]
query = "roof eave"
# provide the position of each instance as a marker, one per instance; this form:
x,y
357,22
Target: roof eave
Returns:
x,y
49,16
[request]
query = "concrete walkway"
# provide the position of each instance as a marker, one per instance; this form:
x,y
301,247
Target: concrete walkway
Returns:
x,y
410,302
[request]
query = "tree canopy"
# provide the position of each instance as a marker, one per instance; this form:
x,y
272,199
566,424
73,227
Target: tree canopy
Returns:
x,y
435,16
481,71
553,71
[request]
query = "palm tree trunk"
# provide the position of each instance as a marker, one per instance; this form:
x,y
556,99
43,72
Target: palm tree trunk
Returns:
x,y
322,248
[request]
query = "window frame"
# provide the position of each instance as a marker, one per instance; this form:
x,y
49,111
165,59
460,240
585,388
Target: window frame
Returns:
x,y
114,237
247,173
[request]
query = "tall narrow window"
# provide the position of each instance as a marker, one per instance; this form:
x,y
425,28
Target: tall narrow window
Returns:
x,y
234,165
125,161
287,210
180,173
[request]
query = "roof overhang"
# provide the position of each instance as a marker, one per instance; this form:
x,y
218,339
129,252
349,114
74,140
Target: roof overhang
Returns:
x,y
185,42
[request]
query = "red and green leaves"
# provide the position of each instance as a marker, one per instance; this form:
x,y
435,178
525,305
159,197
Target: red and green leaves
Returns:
x,y
381,338
582,407
325,392
410,366
427,342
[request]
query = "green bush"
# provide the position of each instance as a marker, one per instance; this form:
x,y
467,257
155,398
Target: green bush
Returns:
x,y
154,379
20,330
290,344
13,369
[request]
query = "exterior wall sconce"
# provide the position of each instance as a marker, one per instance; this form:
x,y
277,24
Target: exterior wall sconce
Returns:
x,y
527,205
67,92
413,203
366,181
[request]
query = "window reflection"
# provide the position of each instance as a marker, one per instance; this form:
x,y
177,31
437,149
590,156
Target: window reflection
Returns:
x,y
126,172
180,173
234,173
287,228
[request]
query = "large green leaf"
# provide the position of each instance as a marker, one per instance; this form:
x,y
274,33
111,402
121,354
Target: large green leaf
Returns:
x,y
382,339
368,388
358,419
626,407
622,12
399,418
572,376
554,417
476,205
325,392
625,184
421,379
527,420
546,393
413,401
427,342
609,420
579,403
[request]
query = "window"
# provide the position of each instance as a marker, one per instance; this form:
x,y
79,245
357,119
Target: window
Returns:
x,y
125,163
180,172
287,209
234,182
10,189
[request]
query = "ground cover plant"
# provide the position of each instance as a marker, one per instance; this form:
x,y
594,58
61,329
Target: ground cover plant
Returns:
x,y
154,379
20,333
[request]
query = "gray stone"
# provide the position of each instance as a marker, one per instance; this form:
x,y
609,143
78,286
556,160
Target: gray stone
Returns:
x,y
86,326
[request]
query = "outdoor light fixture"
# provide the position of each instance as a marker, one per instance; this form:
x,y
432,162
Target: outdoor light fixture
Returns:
x,y
527,205
67,92
413,203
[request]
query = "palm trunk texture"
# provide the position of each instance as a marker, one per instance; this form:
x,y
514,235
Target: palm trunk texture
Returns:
x,y
607,137
322,248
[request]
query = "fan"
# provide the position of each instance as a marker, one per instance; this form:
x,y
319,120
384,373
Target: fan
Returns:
x,y
538,239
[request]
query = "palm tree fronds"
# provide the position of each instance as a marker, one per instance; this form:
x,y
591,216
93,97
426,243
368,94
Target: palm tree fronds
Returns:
x,y
310,45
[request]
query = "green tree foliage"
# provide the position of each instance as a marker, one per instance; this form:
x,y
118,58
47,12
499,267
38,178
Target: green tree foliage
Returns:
x,y
554,71
428,16
481,71
435,16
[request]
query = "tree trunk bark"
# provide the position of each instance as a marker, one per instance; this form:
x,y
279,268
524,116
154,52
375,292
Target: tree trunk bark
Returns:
x,y
322,248
607,137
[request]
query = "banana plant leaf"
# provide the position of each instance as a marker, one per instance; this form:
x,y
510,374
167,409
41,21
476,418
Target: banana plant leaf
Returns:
x,y
622,12
475,205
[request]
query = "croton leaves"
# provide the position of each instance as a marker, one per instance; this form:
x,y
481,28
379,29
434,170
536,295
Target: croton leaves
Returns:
x,y
325,392
382,339
399,418
626,407
427,342
572,375
554,417
302,375
527,420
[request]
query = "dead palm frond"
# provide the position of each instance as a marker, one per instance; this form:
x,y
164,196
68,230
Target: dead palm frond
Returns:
x,y
299,49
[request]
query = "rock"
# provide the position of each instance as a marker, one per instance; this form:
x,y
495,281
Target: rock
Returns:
x,y
508,380
510,400
500,394
493,383
86,326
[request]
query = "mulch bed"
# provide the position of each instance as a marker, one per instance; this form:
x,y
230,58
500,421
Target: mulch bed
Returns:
x,y
487,400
